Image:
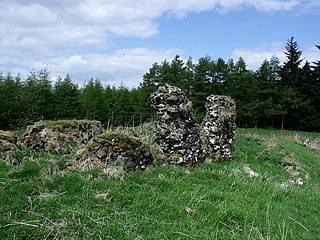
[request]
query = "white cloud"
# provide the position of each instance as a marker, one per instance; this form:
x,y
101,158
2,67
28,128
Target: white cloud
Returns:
x,y
53,24
36,32
273,5
310,6
311,54
125,65
261,5
254,57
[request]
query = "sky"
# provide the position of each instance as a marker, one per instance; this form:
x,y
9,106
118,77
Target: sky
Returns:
x,y
118,41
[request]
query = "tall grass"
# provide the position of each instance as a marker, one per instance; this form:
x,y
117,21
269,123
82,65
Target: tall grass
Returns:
x,y
41,199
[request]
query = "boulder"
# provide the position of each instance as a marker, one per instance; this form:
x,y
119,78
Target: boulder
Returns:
x,y
177,131
60,136
114,149
219,126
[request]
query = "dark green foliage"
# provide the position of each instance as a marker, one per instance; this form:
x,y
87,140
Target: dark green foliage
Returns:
x,y
273,96
299,98
290,71
66,104
38,90
11,101
280,96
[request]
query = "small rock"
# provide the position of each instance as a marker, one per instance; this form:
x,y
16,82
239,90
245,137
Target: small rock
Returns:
x,y
102,196
189,210
250,172
161,176
292,181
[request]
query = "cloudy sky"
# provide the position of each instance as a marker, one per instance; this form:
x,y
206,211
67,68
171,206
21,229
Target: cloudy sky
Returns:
x,y
118,40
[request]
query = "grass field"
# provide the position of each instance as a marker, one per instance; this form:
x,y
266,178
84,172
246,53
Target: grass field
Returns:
x,y
40,199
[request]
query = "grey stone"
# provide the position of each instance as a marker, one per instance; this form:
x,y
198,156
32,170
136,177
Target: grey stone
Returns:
x,y
219,127
177,132
114,148
60,136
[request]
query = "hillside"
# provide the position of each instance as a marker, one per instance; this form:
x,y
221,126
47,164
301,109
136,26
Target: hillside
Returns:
x,y
270,190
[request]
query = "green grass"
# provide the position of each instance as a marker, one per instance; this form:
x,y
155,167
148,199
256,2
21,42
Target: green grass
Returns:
x,y
40,199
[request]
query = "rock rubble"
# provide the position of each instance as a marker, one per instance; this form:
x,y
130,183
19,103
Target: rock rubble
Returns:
x,y
114,149
8,141
60,136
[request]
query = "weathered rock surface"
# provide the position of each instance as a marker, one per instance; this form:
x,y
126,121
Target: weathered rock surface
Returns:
x,y
8,141
219,127
114,149
60,136
177,132
314,144
292,181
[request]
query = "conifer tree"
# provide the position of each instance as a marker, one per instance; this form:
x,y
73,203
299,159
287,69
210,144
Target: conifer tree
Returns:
x,y
290,71
66,103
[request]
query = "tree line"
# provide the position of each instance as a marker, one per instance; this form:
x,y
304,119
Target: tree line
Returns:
x,y
38,98
279,96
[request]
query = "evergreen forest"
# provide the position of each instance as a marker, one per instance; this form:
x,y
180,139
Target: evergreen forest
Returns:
x,y
283,96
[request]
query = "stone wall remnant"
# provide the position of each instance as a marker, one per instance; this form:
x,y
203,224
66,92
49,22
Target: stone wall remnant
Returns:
x,y
177,131
60,136
219,126
8,141
114,149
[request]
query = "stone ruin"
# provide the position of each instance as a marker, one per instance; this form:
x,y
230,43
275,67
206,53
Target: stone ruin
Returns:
x,y
8,141
177,131
115,149
117,152
178,134
60,136
219,127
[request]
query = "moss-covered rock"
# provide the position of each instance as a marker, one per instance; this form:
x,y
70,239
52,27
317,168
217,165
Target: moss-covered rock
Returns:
x,y
60,136
115,149
8,141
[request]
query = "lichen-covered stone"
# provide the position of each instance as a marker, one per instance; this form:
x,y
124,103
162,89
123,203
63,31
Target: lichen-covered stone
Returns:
x,y
60,136
8,141
115,149
219,127
177,131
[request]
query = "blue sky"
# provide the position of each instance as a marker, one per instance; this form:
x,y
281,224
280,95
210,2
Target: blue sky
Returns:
x,y
118,41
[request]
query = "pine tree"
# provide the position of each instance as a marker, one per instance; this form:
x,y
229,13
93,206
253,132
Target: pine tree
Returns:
x,y
92,100
200,85
316,70
290,71
66,103
10,88
38,90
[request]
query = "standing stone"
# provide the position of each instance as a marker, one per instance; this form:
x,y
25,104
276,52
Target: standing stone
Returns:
x,y
176,130
219,127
